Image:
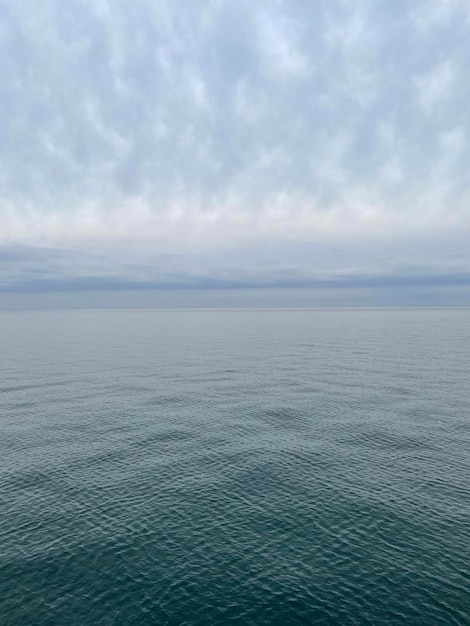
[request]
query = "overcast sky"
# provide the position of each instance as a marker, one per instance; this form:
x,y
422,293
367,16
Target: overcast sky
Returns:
x,y
318,150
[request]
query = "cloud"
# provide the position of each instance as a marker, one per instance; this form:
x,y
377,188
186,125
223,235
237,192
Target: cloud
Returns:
x,y
436,86
203,128
282,265
280,54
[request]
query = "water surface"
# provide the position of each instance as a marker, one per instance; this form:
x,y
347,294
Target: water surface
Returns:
x,y
245,467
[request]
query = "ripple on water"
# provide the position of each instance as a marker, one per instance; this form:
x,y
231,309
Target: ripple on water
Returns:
x,y
253,467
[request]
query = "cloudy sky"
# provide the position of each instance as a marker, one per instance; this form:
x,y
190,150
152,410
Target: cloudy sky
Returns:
x,y
239,151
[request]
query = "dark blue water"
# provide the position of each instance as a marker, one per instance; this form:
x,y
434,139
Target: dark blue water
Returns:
x,y
250,467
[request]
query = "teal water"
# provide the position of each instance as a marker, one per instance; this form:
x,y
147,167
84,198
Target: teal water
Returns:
x,y
245,467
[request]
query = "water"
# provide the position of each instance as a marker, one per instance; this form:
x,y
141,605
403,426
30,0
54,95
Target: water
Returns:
x,y
251,467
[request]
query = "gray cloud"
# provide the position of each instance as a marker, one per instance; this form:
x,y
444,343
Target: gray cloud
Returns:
x,y
281,266
158,142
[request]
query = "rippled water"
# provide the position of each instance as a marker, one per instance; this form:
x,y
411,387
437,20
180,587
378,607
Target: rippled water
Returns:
x,y
258,467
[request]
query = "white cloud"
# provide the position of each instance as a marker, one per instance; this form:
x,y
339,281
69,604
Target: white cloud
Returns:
x,y
435,87
439,13
202,127
279,46
198,92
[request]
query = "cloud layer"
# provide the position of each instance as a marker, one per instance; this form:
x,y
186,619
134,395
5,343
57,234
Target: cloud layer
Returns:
x,y
268,142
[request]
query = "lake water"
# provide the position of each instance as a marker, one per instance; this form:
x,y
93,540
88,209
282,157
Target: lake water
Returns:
x,y
246,467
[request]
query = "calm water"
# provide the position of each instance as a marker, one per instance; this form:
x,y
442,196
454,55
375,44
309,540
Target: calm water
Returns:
x,y
251,467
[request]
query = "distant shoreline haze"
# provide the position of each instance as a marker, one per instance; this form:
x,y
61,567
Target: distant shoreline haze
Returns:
x,y
249,298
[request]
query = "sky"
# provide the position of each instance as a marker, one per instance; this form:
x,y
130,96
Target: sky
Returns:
x,y
234,153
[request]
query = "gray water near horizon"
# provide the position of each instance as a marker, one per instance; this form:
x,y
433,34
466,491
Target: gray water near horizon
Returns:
x,y
245,467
